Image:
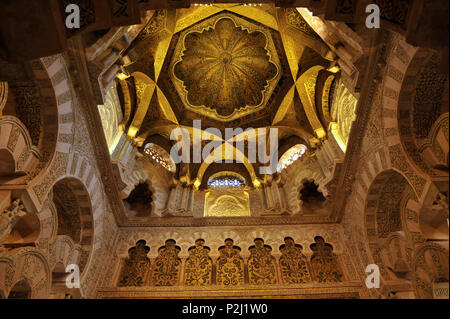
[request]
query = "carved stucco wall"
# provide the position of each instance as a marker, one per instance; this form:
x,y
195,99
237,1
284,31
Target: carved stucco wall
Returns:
x,y
73,158
111,116
28,264
243,236
343,112
381,151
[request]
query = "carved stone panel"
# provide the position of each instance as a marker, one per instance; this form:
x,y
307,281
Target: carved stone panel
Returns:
x,y
227,202
219,52
293,264
230,265
198,268
136,267
261,264
324,262
166,268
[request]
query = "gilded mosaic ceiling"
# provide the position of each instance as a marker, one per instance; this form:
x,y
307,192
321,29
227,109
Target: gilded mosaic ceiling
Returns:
x,y
225,67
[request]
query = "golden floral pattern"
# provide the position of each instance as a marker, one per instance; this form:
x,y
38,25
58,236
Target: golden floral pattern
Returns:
x,y
198,268
230,265
295,19
230,268
293,264
136,267
166,268
261,264
227,201
225,68
324,262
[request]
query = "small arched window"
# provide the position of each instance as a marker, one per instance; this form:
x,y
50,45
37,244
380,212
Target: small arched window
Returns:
x,y
160,156
290,156
226,180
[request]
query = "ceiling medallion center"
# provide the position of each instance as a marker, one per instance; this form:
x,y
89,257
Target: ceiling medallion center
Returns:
x,y
225,68
226,58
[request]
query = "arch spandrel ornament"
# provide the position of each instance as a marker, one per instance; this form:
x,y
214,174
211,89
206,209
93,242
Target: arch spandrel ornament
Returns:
x,y
230,265
198,268
430,266
293,263
21,290
166,267
261,264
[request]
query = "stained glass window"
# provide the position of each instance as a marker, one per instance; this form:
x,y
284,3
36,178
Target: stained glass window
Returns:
x,y
160,156
290,156
226,181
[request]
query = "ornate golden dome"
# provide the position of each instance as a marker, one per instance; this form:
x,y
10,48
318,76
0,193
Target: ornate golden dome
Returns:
x,y
225,67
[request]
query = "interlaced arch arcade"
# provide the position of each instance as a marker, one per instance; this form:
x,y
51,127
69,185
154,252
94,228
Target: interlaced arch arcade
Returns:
x,y
89,175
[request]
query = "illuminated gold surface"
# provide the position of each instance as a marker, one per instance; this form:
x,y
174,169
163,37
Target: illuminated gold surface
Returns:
x,y
343,112
264,14
306,86
127,103
227,201
197,184
188,17
122,76
221,67
284,107
235,155
144,92
335,131
293,52
326,98
160,55
225,67
165,106
334,69
256,183
320,133
111,116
